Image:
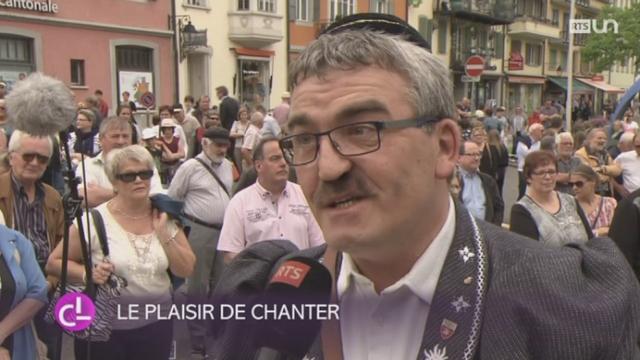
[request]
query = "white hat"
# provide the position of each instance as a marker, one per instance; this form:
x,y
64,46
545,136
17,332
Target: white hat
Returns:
x,y
168,122
286,95
149,133
479,114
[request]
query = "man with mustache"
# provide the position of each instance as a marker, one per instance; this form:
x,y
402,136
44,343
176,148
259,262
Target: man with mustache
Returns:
x,y
204,184
272,208
374,141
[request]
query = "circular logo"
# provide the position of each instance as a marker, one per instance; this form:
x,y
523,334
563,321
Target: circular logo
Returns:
x,y
75,311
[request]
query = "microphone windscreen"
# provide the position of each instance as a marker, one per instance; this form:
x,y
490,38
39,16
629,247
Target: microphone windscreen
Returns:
x,y
40,105
300,284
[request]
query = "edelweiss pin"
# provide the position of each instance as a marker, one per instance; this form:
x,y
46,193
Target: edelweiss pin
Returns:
x,y
436,353
466,254
460,304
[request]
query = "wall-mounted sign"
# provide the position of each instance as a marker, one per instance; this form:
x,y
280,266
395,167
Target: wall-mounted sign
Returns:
x,y
43,6
137,83
597,77
516,62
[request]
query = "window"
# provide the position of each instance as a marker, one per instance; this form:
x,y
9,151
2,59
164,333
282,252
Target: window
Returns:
x,y
380,6
135,69
77,72
268,6
533,55
555,17
302,10
254,82
243,5
340,8
200,3
16,57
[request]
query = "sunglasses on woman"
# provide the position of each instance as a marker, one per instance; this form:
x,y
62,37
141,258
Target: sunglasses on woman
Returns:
x,y
577,184
131,177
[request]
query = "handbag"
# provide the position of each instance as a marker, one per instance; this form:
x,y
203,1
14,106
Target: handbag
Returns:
x,y
104,296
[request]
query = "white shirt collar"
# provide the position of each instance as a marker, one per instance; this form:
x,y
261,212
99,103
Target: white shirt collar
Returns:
x,y
423,277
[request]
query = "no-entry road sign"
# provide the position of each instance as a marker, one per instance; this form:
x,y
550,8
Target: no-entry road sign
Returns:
x,y
474,66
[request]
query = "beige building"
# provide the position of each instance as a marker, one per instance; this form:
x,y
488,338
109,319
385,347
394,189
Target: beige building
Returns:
x,y
240,44
525,47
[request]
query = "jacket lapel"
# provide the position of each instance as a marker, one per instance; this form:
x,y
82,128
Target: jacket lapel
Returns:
x,y
455,315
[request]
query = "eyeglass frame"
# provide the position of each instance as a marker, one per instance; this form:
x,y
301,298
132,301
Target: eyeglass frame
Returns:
x,y
417,122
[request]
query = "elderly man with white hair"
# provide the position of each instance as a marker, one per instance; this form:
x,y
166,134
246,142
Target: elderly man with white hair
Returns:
x,y
566,161
33,208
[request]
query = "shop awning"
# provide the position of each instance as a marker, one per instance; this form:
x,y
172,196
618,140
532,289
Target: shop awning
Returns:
x,y
527,80
253,52
602,86
578,87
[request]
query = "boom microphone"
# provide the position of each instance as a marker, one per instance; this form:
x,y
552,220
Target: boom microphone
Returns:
x,y
40,105
300,283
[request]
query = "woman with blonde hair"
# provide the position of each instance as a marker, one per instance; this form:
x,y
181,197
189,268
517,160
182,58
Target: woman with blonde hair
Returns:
x,y
598,209
144,243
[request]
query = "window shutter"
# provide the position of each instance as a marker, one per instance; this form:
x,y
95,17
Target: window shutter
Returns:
x,y
425,27
316,10
499,45
293,10
442,36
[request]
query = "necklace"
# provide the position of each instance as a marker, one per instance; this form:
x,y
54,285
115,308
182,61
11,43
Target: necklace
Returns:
x,y
141,247
127,215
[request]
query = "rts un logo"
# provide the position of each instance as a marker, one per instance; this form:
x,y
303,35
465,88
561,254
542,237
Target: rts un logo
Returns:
x,y
588,26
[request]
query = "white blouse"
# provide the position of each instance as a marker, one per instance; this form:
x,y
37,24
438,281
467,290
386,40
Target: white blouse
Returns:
x,y
144,267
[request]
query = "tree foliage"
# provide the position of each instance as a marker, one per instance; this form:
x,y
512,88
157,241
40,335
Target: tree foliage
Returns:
x,y
608,48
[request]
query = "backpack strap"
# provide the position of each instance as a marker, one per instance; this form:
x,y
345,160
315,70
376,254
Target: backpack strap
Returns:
x,y
98,222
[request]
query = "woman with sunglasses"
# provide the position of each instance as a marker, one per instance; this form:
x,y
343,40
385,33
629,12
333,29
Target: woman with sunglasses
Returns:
x,y
543,213
172,150
144,243
598,209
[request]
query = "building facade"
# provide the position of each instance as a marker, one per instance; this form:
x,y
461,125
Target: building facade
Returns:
x,y
240,44
111,45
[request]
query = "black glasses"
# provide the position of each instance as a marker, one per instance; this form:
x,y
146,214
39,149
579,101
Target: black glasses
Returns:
x,y
348,140
131,177
42,159
577,184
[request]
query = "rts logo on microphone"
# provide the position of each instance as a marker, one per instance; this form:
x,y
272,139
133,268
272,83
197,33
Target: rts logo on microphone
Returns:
x,y
75,311
292,273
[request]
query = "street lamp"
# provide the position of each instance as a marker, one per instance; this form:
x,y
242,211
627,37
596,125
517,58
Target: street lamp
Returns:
x,y
186,33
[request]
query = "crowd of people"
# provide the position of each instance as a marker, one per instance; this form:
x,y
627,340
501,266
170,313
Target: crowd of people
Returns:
x,y
229,168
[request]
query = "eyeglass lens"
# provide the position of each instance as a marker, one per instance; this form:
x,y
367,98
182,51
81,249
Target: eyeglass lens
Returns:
x,y
131,177
28,157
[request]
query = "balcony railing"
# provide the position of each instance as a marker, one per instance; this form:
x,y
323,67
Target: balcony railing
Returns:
x,y
494,12
194,39
578,39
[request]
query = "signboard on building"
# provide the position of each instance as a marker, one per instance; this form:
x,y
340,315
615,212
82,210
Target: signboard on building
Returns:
x,y
466,78
597,77
43,6
474,66
137,83
516,62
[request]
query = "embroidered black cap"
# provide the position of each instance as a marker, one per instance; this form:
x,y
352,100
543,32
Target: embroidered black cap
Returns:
x,y
378,22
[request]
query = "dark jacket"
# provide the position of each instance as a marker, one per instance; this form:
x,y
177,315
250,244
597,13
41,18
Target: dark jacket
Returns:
x,y
494,206
526,300
488,162
625,229
229,108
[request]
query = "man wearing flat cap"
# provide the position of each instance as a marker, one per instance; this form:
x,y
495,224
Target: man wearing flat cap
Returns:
x,y
204,184
416,275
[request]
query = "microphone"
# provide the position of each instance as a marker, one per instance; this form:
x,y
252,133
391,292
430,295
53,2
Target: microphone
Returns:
x,y
299,283
40,106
